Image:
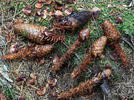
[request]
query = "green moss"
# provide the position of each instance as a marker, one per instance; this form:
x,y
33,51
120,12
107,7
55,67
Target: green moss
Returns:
x,y
21,5
9,93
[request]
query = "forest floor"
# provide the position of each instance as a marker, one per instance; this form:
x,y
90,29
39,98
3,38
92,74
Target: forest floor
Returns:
x,y
121,84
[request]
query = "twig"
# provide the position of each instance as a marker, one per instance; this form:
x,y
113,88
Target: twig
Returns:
x,y
132,40
85,4
2,15
15,10
96,24
126,41
131,3
4,62
13,97
12,16
133,60
132,47
74,53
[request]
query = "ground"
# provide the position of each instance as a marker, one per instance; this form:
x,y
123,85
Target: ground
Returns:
x,y
121,83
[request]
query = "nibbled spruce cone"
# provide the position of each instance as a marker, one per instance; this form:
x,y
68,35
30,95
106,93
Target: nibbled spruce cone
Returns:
x,y
30,52
110,31
95,50
83,36
38,34
86,87
114,39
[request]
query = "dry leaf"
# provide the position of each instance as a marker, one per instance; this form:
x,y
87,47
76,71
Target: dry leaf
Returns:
x,y
20,80
57,5
8,38
53,93
45,1
68,11
31,83
42,91
39,5
3,97
44,14
58,13
41,61
114,11
52,82
68,1
27,10
38,12
19,21
33,76
119,20
22,97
